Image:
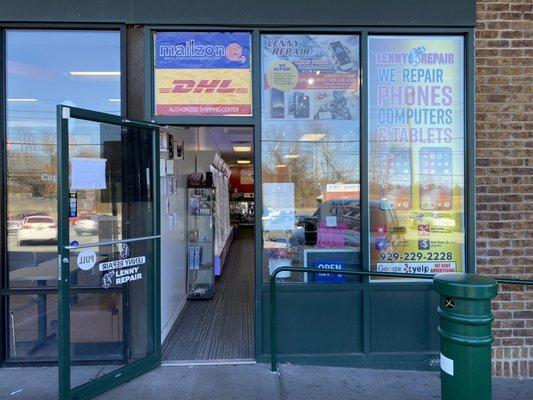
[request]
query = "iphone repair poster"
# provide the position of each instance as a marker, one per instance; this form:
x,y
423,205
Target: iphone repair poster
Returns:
x,y
310,77
416,152
202,73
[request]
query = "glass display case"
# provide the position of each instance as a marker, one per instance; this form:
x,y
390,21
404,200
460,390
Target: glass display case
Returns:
x,y
201,243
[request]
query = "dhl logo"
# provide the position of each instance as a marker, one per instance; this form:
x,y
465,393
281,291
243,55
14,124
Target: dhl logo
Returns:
x,y
203,86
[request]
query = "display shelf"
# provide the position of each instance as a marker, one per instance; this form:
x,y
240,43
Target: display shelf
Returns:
x,y
201,243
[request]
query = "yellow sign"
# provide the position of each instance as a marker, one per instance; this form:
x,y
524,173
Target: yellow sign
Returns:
x,y
202,73
282,75
203,92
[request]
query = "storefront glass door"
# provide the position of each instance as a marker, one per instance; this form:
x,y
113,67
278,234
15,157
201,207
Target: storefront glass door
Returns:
x,y
108,236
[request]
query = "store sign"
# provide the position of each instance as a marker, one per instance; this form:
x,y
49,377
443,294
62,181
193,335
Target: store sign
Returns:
x,y
203,73
121,276
416,153
127,262
330,265
311,78
342,187
121,271
342,191
247,176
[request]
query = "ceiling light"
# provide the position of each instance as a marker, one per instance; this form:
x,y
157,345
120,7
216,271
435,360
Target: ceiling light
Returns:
x,y
243,161
291,156
22,100
281,165
312,137
114,100
242,147
95,73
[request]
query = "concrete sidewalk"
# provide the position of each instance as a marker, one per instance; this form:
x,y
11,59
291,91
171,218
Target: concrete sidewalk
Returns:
x,y
256,382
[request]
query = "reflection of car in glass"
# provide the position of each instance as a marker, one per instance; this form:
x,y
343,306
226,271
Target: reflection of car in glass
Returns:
x,y
268,213
343,213
278,220
438,222
37,228
87,225
347,214
14,222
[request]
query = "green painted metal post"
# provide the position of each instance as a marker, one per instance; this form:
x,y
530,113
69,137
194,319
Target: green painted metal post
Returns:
x,y
466,337
273,320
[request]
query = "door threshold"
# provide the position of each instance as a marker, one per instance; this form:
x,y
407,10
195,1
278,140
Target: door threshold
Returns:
x,y
194,363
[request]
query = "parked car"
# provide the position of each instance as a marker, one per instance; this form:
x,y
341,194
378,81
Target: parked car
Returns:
x,y
14,222
37,228
346,212
87,225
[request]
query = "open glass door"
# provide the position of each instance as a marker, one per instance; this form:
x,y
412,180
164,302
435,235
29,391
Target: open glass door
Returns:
x,y
109,238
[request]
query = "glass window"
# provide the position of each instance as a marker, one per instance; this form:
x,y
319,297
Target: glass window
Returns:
x,y
310,155
33,325
416,153
32,322
46,68
202,73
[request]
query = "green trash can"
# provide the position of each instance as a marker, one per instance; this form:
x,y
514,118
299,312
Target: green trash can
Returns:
x,y
466,336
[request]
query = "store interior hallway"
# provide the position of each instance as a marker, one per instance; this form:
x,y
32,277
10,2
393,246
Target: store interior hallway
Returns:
x,y
221,328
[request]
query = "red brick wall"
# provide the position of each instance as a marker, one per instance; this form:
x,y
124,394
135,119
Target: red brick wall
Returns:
x,y
504,129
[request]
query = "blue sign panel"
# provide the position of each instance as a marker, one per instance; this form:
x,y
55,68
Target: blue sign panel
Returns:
x,y
331,265
331,261
202,50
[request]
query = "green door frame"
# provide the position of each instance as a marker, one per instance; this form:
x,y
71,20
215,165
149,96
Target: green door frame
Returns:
x,y
130,371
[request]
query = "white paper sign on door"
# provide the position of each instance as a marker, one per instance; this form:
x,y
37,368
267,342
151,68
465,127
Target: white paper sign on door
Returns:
x,y
88,173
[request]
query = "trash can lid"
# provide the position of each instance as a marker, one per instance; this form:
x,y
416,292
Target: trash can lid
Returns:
x,y
468,286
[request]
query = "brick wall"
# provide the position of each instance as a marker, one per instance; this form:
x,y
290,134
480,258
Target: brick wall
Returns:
x,y
504,129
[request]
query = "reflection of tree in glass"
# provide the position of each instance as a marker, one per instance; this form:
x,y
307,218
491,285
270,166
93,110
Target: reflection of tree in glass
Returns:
x,y
337,170
31,171
379,167
311,156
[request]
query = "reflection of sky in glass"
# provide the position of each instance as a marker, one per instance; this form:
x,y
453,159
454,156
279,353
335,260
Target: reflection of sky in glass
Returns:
x,y
39,65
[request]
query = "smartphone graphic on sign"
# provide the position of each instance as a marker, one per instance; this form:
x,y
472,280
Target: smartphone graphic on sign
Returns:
x,y
277,103
301,105
435,178
341,55
398,172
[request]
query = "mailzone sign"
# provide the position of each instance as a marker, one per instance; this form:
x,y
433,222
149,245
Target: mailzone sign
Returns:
x,y
202,73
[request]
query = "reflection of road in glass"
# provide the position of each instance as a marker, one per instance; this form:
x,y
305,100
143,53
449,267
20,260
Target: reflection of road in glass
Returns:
x,y
43,247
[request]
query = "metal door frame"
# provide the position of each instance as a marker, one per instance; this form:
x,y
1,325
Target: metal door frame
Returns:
x,y
130,371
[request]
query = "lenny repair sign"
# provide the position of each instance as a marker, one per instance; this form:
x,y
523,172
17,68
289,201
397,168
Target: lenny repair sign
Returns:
x,y
125,263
